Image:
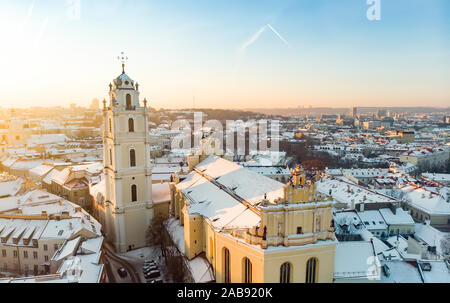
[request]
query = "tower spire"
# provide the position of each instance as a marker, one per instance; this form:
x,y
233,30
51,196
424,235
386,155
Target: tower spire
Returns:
x,y
122,58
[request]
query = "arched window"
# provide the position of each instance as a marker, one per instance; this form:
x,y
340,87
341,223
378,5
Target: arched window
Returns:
x,y
311,270
128,100
130,125
226,265
247,270
285,273
132,158
133,193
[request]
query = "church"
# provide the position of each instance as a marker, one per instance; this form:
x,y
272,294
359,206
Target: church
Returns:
x,y
127,165
251,228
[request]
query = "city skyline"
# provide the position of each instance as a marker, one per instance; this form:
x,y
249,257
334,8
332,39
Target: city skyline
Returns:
x,y
234,55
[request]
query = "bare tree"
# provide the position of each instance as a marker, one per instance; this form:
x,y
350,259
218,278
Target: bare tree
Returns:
x,y
445,245
176,265
156,233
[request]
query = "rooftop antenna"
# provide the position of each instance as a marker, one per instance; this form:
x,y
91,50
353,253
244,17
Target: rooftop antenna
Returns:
x,y
122,58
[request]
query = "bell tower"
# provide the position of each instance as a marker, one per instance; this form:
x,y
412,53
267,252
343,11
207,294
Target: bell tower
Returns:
x,y
127,166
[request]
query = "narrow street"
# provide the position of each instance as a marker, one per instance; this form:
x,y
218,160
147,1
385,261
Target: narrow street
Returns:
x,y
114,262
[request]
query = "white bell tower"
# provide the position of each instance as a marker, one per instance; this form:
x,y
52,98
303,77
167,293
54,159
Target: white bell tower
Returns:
x,y
127,166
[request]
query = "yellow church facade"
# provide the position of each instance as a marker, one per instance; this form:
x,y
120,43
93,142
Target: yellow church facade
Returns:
x,y
253,229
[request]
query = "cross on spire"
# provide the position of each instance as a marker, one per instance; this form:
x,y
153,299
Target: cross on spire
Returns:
x,y
122,58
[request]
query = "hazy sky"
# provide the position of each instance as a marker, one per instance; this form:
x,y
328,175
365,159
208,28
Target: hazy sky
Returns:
x,y
229,53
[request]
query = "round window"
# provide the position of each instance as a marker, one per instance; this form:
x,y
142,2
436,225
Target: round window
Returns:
x,y
126,82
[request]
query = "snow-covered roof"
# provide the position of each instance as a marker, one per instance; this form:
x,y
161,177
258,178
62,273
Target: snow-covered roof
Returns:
x,y
352,260
439,271
245,183
10,188
201,270
41,170
45,207
378,245
430,235
399,271
401,217
26,164
347,222
372,220
442,178
349,193
160,192
215,205
67,249
47,139
427,201
48,179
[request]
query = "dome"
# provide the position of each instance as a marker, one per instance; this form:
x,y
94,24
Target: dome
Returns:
x,y
123,81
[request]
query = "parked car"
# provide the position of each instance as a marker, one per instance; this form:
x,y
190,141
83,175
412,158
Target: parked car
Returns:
x,y
146,267
152,274
122,272
149,262
157,280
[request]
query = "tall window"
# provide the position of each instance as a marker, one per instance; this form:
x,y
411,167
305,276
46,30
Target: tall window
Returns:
x,y
226,265
110,157
247,270
133,193
311,270
285,273
110,125
132,158
130,125
128,97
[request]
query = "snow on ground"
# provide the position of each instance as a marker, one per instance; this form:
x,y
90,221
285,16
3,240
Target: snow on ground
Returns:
x,y
137,257
201,270
176,232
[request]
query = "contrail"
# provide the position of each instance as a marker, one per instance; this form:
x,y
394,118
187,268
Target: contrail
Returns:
x,y
252,39
30,9
276,33
41,32
255,37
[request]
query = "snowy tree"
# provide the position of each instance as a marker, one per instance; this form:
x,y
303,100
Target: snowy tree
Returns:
x,y
445,245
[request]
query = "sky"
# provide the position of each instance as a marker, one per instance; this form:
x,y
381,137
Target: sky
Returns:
x,y
227,53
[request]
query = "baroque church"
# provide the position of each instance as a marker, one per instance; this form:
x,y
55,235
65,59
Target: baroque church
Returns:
x,y
127,165
251,228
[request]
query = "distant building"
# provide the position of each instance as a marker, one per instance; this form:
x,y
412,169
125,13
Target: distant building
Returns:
x,y
427,205
381,113
427,156
94,104
353,112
